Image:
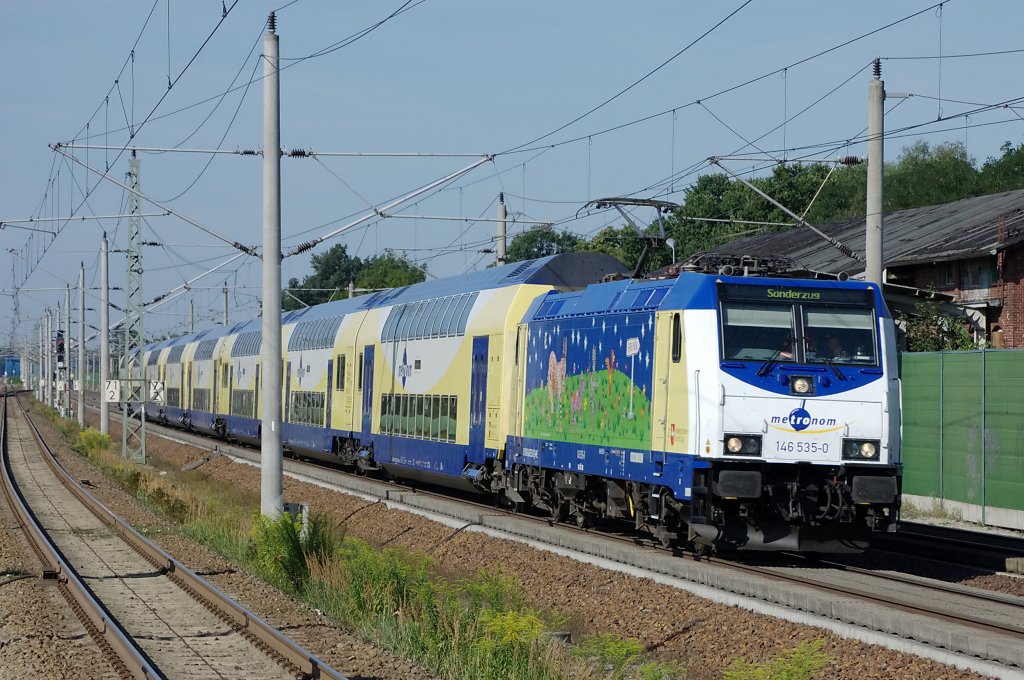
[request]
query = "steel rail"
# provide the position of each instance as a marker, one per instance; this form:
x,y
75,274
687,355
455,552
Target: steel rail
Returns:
x,y
888,602
245,621
92,613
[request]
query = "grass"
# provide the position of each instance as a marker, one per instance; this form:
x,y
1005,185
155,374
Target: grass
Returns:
x,y
938,510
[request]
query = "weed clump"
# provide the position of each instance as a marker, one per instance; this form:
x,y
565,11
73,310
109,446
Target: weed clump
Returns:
x,y
282,552
803,662
90,442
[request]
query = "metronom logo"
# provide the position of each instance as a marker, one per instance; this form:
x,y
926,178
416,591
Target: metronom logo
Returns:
x,y
799,419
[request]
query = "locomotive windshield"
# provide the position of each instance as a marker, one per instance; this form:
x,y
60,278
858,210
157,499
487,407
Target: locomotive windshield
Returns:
x,y
805,325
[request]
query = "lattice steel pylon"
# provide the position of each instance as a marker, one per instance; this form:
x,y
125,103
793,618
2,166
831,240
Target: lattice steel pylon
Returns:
x,y
133,385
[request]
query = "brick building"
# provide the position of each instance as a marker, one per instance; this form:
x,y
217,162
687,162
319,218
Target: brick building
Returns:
x,y
970,251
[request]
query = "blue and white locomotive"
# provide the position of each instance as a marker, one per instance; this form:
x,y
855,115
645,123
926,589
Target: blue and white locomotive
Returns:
x,y
727,411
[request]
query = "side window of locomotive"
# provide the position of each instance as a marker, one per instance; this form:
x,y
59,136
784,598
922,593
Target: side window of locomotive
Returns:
x,y
339,381
677,339
359,379
841,335
756,332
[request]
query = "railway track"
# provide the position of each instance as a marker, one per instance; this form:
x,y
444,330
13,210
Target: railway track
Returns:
x,y
965,621
153,617
958,546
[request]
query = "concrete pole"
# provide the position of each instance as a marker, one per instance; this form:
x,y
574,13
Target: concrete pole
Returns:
x,y
191,317
35,364
81,345
502,217
65,398
876,132
42,360
47,399
225,290
39,365
271,463
351,289
104,335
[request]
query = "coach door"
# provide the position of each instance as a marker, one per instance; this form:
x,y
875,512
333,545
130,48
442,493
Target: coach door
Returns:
x,y
478,399
366,385
330,390
287,391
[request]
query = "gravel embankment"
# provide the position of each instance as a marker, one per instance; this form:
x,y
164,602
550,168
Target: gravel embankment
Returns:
x,y
40,637
673,625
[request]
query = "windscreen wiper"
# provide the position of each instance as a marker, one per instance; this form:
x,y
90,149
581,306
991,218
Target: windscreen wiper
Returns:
x,y
774,358
835,368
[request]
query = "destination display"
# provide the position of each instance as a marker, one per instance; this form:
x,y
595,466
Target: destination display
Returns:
x,y
783,293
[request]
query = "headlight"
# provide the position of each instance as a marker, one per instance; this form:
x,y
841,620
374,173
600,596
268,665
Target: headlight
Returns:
x,y
861,449
801,385
743,445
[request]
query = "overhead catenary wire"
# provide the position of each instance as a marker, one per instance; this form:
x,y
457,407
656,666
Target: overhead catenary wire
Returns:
x,y
635,82
249,250
523,148
308,245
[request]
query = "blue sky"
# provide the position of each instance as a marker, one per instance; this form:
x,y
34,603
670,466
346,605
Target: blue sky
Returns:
x,y
444,76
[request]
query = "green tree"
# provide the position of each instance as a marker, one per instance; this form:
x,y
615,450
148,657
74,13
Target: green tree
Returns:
x,y
926,175
929,330
334,269
388,271
332,272
1005,173
541,241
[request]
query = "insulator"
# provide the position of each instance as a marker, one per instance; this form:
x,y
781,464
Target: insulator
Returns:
x,y
877,68
851,160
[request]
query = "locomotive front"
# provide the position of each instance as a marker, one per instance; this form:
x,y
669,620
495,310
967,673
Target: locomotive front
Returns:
x,y
805,452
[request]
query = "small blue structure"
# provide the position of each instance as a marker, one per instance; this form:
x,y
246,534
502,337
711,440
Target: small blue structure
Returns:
x,y
12,367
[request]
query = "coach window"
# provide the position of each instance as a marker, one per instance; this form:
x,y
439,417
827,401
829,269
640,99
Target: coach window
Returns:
x,y
435,417
438,317
677,339
418,427
340,379
449,312
426,319
403,322
453,421
406,430
443,420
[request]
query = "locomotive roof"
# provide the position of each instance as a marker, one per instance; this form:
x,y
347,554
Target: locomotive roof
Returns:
x,y
689,291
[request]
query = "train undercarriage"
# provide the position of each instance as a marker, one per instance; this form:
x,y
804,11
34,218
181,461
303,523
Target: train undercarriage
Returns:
x,y
732,506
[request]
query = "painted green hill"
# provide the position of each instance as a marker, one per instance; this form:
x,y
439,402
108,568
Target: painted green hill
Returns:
x,y
589,412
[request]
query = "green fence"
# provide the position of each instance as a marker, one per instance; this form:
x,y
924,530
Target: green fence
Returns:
x,y
963,428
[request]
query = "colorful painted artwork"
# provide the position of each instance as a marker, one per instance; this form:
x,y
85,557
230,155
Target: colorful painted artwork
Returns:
x,y
589,380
